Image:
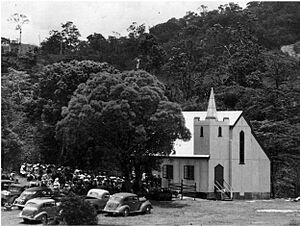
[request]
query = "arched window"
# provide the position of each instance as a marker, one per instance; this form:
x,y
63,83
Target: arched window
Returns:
x,y
220,131
242,147
201,131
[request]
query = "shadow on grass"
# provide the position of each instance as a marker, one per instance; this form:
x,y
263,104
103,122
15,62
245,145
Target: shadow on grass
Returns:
x,y
110,224
30,223
168,204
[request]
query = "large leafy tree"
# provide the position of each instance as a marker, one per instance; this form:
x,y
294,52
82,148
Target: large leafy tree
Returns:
x,y
127,113
150,52
54,89
65,41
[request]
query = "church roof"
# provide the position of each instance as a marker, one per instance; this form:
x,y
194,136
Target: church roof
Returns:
x,y
211,109
186,148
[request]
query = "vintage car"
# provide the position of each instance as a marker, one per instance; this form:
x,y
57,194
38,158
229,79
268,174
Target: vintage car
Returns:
x,y
5,184
12,192
40,209
4,188
126,203
97,198
31,193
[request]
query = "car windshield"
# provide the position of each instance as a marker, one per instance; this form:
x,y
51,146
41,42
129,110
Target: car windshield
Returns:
x,y
31,204
116,198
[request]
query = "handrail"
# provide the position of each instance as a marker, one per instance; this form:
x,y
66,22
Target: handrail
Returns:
x,y
218,186
226,187
229,188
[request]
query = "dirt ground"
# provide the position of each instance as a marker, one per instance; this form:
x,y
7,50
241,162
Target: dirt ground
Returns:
x,y
199,212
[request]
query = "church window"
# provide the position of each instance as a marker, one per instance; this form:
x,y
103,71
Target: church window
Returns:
x,y
168,171
242,147
220,131
201,131
189,172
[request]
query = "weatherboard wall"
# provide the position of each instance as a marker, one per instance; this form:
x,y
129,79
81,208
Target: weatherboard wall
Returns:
x,y
254,174
200,172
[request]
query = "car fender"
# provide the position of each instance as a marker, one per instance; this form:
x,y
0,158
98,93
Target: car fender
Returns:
x,y
121,209
144,205
40,214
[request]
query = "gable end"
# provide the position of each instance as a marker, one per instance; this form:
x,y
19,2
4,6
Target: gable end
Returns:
x,y
252,132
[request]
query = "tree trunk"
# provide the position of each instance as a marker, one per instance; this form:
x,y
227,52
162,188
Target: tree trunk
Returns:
x,y
126,171
20,43
138,176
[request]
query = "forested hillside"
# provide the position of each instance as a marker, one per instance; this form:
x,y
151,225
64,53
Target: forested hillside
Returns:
x,y
235,50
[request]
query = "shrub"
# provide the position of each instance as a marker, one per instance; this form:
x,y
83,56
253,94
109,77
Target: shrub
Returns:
x,y
75,211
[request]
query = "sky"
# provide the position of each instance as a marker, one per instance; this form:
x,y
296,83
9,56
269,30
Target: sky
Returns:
x,y
104,17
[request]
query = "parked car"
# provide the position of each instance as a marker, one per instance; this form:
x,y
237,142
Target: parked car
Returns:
x,y
126,203
97,198
5,184
31,193
40,209
13,192
4,188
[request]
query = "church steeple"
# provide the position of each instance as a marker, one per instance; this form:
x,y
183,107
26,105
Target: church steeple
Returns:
x,y
211,109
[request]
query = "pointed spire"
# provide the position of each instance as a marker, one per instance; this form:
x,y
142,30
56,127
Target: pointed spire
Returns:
x,y
211,109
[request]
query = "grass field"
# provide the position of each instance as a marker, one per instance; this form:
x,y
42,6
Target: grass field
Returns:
x,y
205,212
199,212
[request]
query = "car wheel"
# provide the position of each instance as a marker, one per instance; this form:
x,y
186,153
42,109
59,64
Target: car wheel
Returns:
x,y
126,212
44,219
148,210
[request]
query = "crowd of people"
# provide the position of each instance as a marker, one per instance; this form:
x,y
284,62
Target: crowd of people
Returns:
x,y
62,178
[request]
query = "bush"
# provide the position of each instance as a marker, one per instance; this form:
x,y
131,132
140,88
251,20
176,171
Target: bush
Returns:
x,y
75,211
160,195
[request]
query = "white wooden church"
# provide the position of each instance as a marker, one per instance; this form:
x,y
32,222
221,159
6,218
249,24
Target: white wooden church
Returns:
x,y
223,154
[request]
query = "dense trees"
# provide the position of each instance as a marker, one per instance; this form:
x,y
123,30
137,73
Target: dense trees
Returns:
x,y
283,29
65,41
16,132
234,50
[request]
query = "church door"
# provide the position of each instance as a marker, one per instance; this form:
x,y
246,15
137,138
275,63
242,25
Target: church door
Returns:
x,y
219,174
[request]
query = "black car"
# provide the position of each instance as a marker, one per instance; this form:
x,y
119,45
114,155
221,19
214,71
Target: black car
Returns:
x,y
12,192
5,184
4,189
31,193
